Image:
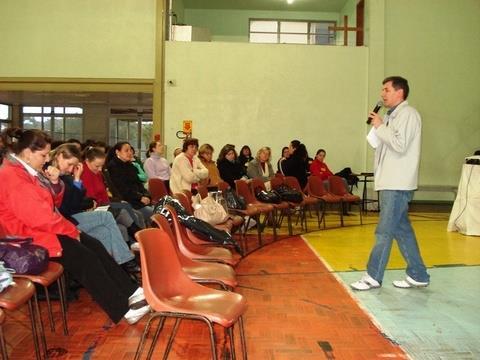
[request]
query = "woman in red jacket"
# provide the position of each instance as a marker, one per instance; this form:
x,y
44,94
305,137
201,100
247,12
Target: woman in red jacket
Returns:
x,y
318,167
27,209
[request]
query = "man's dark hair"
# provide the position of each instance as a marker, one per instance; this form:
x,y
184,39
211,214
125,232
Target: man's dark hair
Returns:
x,y
398,83
295,143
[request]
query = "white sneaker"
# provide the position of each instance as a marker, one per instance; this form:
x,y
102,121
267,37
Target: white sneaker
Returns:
x,y
135,246
137,296
409,283
137,311
365,283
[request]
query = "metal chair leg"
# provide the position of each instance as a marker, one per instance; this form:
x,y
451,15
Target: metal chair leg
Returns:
x,y
33,322
63,302
3,345
49,308
155,337
232,342
242,338
171,338
213,342
141,343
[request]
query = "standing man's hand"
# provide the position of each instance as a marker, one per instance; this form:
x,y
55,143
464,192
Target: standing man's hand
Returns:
x,y
376,119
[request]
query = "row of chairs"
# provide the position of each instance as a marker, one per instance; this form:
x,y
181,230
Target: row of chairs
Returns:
x,y
173,279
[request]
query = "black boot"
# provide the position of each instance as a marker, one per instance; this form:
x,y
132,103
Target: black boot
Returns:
x,y
131,267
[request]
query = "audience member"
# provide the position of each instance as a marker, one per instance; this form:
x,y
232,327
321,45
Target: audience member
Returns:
x,y
296,164
27,209
228,166
285,155
205,154
156,166
245,156
260,167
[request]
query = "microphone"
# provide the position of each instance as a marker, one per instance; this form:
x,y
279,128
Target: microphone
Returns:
x,y
375,110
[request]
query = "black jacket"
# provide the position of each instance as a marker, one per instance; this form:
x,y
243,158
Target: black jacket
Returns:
x,y
230,171
123,176
74,199
297,167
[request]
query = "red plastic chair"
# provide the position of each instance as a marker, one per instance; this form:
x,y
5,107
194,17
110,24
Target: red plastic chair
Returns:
x,y
13,297
337,187
157,189
316,189
284,207
171,293
200,272
196,251
307,201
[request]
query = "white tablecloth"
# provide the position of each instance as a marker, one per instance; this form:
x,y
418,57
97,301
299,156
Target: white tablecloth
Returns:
x,y
465,216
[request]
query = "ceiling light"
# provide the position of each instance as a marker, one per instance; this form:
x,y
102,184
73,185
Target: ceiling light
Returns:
x,y
290,2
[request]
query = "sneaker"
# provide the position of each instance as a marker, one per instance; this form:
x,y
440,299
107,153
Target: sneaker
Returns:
x,y
409,283
137,311
135,246
365,283
137,296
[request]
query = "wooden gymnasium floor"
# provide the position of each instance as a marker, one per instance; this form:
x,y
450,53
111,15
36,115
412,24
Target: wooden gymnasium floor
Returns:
x,y
301,308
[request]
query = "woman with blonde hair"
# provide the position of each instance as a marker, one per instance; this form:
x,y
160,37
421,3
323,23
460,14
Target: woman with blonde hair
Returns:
x,y
205,154
260,167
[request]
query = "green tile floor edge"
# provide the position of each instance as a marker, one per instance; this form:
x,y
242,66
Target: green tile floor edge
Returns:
x,y
441,321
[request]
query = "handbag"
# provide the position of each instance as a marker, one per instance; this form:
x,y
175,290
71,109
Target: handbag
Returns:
x,y
21,255
289,194
271,197
208,210
234,201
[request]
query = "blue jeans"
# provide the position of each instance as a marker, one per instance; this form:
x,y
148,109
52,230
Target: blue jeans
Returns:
x,y
394,224
102,226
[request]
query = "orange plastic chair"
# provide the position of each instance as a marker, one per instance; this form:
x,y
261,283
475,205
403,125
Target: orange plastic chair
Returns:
x,y
171,293
16,295
337,187
195,251
157,189
200,272
267,210
53,273
307,201
284,207
316,189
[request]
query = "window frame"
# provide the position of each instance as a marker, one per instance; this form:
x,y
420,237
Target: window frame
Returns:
x,y
309,34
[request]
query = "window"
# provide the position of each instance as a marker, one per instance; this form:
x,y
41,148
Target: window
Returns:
x,y
61,122
132,125
292,32
5,116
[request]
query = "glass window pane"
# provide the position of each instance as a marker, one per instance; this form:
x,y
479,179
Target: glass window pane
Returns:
x,y
263,26
112,129
47,109
4,112
73,110
47,123
32,122
58,129
294,27
4,125
73,128
133,134
263,38
32,109
293,39
58,110
122,134
147,135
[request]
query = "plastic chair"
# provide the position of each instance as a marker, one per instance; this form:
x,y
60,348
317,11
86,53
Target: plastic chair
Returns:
x,y
195,251
15,296
267,210
53,273
337,187
171,293
316,189
307,201
284,207
200,272
157,189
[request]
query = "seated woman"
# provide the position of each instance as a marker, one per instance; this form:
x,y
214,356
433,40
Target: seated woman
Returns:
x,y
260,167
128,219
156,166
245,156
318,166
27,209
285,155
123,175
187,169
205,154
99,224
297,163
228,166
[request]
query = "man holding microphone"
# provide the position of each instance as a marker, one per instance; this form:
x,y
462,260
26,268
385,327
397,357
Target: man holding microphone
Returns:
x,y
397,139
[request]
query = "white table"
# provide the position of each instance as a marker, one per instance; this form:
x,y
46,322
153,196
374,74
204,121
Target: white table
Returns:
x,y
465,215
